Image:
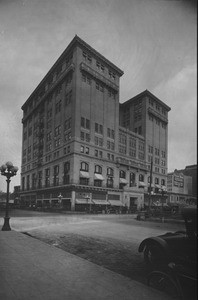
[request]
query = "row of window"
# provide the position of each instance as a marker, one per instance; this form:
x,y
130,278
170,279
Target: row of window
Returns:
x,y
100,67
99,86
132,142
67,124
157,151
97,153
51,79
85,123
157,107
157,121
37,182
157,160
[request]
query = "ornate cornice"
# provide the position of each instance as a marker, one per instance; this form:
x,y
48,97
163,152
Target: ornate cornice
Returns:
x,y
98,77
157,115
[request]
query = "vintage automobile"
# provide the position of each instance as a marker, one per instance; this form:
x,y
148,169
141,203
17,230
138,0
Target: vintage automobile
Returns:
x,y
176,247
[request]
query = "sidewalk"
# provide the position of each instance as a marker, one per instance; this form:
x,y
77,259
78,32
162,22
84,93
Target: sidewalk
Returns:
x,y
31,269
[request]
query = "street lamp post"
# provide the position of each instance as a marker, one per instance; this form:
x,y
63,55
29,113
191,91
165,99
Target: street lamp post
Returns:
x,y
89,201
60,200
151,179
9,171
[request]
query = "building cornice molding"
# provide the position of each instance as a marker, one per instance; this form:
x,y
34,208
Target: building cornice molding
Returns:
x,y
98,77
146,93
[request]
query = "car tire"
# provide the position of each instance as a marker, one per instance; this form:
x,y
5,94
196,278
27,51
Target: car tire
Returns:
x,y
153,256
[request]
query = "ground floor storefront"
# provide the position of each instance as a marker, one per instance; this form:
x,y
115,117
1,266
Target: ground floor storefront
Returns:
x,y
84,199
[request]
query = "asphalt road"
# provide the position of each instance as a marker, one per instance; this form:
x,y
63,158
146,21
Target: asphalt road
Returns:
x,y
119,227
108,240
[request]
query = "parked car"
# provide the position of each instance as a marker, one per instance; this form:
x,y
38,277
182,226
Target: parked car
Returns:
x,y
178,247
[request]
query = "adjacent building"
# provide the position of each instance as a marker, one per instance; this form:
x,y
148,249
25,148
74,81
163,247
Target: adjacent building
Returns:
x,y
180,188
191,171
81,147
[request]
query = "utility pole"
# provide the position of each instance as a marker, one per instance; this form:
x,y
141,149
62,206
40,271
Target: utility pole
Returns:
x,y
151,179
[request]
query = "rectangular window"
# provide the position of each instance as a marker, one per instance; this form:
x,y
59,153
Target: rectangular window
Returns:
x,y
67,124
96,140
82,122
132,152
57,130
100,142
49,136
86,79
58,107
84,181
101,129
68,98
82,136
82,149
87,124
140,130
87,57
87,137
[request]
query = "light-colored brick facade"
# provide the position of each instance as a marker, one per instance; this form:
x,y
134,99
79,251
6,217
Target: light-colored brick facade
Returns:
x,y
81,144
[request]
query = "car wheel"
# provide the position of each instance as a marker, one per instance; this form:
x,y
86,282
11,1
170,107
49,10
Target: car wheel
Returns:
x,y
153,256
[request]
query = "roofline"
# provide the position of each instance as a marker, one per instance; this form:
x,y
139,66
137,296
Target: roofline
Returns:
x,y
78,39
146,92
74,41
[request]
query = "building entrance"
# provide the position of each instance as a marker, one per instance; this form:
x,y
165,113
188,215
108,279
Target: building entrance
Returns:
x,y
133,204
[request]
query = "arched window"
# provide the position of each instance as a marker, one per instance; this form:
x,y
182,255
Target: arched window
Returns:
x,y
122,174
162,181
84,166
110,172
66,167
141,177
132,179
98,169
66,177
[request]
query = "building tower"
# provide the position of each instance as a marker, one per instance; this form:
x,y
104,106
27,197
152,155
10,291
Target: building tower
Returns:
x,y
75,154
146,115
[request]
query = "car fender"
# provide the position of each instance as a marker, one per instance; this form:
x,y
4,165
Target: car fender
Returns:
x,y
154,241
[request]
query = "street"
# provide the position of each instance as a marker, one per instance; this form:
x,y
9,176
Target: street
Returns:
x,y
119,227
108,240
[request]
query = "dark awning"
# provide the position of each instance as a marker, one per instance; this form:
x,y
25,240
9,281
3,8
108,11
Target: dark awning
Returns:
x,y
116,202
101,202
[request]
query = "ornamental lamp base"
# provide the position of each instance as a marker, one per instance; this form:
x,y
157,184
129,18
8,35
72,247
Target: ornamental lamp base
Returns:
x,y
6,225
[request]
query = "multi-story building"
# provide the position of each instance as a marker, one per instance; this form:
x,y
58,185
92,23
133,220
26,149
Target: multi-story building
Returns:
x,y
147,116
81,147
191,171
179,187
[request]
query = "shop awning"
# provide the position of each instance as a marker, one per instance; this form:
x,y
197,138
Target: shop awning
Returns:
x,y
141,183
158,186
164,188
98,176
152,185
123,181
84,174
100,202
116,202
81,201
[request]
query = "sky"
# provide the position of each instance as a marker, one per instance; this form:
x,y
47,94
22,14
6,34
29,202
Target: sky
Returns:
x,y
153,41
